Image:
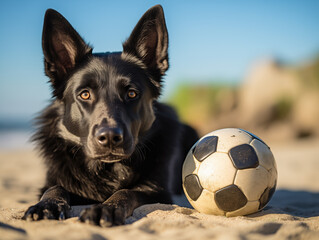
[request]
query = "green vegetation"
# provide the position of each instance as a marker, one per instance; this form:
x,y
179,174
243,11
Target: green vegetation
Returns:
x,y
197,104
283,108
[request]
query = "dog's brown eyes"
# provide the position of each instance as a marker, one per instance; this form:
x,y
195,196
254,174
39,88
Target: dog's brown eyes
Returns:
x,y
132,94
85,95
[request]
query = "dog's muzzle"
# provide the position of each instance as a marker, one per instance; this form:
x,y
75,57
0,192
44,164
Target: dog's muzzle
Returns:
x,y
107,137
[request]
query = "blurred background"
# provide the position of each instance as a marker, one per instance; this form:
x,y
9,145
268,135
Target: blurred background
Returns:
x,y
249,64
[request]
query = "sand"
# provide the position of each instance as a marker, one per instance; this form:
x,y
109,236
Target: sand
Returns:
x,y
293,212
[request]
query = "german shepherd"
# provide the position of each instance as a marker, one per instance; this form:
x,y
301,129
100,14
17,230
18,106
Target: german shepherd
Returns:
x,y
105,139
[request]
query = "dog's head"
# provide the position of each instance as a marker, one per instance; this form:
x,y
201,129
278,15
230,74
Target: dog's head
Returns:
x,y
106,99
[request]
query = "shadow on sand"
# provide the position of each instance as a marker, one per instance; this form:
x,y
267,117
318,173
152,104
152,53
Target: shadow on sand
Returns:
x,y
296,203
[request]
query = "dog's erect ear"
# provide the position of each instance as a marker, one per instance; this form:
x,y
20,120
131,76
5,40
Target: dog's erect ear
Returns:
x,y
63,47
149,41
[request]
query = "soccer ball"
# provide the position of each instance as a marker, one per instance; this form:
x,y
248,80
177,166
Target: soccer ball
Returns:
x,y
229,172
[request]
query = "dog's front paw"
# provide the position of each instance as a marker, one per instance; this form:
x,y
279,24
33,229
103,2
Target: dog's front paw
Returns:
x,y
47,209
104,215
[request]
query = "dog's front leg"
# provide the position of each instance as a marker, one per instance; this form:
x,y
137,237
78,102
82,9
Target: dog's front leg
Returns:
x,y
118,207
54,204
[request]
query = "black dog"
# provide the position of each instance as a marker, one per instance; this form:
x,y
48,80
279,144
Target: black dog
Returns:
x,y
105,139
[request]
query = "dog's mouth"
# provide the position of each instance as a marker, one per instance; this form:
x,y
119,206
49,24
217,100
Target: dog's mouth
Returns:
x,y
111,158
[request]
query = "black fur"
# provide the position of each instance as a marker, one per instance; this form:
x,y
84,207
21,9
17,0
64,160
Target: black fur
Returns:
x,y
105,138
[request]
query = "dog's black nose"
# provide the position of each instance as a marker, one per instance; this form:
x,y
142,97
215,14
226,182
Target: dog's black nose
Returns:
x,y
109,137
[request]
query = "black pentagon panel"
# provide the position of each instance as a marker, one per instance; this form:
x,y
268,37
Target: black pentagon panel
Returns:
x,y
254,136
244,156
266,196
205,147
230,198
192,186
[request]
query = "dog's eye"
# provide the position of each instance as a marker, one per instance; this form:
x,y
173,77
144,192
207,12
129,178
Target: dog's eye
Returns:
x,y
85,95
132,94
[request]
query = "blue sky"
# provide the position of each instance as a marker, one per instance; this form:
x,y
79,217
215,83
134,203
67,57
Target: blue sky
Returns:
x,y
217,39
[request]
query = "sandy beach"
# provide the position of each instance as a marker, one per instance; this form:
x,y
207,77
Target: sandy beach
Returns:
x,y
293,212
